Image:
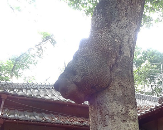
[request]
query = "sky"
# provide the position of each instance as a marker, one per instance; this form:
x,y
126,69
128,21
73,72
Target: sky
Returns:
x,y
151,38
19,32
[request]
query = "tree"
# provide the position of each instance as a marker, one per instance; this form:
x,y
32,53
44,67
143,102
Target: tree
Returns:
x,y
16,65
153,56
147,70
101,71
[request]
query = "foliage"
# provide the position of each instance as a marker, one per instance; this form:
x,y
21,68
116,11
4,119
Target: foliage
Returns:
x,y
83,5
5,69
143,74
47,37
147,69
151,7
44,34
16,65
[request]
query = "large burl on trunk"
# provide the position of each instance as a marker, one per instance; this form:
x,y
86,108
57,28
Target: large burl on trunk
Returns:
x,y
101,71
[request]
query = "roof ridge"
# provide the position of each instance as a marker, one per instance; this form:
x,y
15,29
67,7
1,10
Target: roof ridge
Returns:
x,y
146,97
25,85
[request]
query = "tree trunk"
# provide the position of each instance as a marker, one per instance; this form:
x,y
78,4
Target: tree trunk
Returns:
x,y
115,107
102,69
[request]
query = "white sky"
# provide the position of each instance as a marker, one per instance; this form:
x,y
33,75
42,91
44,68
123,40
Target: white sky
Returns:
x,y
19,31
151,38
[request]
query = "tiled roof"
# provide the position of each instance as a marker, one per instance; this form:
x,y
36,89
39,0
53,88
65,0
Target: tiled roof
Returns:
x,y
143,109
47,91
43,91
146,97
43,117
40,91
145,103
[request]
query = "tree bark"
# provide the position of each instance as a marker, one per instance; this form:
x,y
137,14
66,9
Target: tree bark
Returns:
x,y
101,71
115,107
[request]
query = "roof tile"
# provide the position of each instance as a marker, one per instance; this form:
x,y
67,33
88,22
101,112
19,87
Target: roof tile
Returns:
x,y
42,117
145,103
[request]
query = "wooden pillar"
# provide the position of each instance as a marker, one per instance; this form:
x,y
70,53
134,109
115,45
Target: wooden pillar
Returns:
x,y
3,97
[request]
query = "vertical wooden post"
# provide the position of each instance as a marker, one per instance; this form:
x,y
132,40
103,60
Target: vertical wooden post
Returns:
x,y
3,97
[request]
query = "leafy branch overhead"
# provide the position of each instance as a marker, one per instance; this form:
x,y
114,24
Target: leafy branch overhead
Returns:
x,y
83,5
47,37
152,7
15,66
